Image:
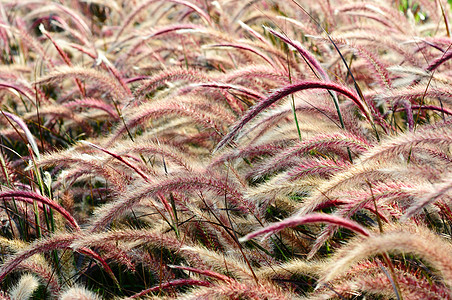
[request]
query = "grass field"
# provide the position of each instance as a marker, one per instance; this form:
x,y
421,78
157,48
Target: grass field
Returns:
x,y
191,149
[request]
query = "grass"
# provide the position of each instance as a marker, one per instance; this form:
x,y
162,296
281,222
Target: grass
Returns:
x,y
225,150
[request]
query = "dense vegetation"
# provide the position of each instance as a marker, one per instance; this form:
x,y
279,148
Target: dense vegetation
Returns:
x,y
197,149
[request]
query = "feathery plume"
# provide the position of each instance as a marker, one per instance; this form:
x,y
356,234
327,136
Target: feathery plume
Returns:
x,y
307,219
145,4
182,182
102,81
438,190
283,92
413,239
406,142
439,61
239,290
303,52
78,293
30,197
24,288
178,282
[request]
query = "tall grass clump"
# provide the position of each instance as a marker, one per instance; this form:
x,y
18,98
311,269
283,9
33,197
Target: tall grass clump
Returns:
x,y
225,150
